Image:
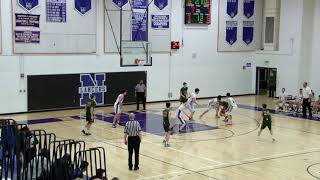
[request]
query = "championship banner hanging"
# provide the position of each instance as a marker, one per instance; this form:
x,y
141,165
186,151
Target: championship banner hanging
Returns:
x,y
161,4
232,8
27,20
120,3
231,31
56,10
139,26
139,4
159,21
27,36
28,5
247,35
82,6
248,8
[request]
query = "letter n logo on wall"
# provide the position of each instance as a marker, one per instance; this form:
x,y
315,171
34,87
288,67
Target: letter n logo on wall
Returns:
x,y
92,84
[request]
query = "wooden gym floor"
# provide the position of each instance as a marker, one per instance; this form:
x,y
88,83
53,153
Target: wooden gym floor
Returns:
x,y
203,152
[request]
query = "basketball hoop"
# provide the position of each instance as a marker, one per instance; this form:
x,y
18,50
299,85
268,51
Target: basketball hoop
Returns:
x,y
138,62
135,53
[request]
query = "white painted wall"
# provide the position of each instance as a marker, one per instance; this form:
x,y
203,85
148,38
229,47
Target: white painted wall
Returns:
x,y
214,73
287,59
306,40
299,46
314,72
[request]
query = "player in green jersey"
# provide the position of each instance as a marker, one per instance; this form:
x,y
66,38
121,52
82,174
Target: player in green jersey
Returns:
x,y
167,124
266,121
91,104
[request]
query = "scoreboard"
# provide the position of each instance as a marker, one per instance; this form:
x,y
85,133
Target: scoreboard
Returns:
x,y
197,12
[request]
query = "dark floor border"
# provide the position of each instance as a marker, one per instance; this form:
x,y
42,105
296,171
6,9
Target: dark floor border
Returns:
x,y
109,105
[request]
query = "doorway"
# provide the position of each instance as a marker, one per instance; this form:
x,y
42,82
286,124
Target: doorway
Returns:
x,y
266,81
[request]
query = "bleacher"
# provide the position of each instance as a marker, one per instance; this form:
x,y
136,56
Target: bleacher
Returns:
x,y
35,154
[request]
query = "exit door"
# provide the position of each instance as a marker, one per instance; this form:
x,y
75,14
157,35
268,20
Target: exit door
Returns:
x,y
266,81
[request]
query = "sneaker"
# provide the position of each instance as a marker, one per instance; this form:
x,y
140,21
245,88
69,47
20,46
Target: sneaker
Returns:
x,y
136,168
130,168
273,139
88,134
114,126
83,132
167,145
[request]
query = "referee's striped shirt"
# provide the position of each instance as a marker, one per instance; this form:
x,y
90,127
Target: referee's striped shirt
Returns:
x,y
132,128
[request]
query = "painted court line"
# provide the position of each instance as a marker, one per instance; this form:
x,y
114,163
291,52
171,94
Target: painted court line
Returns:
x,y
172,173
236,163
189,154
258,159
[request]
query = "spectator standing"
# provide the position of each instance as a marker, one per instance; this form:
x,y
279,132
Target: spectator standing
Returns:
x,y
306,95
140,92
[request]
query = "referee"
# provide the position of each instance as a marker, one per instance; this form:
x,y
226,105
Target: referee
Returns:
x,y
140,90
306,95
132,138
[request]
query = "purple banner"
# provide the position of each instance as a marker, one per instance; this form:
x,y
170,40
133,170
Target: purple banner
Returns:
x,y
160,21
120,3
232,8
139,4
247,35
56,10
28,5
161,4
231,32
139,26
82,6
248,8
28,20
27,36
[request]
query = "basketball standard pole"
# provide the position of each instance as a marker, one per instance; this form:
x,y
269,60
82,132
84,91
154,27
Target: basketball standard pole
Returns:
x,y
121,63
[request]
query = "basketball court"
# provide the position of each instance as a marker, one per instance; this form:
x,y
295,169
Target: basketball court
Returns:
x,y
67,64
203,151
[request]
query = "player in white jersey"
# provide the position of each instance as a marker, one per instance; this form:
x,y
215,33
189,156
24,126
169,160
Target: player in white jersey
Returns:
x,y
118,107
213,104
283,98
179,113
232,106
192,101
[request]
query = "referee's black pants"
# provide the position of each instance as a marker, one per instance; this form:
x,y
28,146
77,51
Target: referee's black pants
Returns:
x,y
141,98
306,104
133,144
